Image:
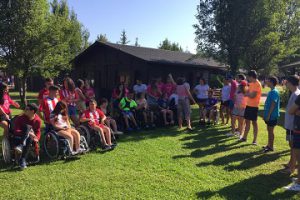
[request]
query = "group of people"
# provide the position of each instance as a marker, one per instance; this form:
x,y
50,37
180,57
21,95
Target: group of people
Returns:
x,y
140,107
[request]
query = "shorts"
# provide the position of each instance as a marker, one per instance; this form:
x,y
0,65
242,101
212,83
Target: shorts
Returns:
x,y
231,104
201,101
240,112
296,141
184,108
251,113
225,103
127,113
72,110
271,123
289,135
3,118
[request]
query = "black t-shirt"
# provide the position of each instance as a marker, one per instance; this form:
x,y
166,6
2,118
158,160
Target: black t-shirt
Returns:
x,y
297,117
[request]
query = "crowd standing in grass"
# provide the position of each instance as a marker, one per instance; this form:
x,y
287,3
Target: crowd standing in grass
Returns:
x,y
157,104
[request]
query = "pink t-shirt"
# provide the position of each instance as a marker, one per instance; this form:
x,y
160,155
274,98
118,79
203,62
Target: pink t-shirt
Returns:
x,y
7,101
181,91
89,93
169,88
233,89
160,86
152,92
240,100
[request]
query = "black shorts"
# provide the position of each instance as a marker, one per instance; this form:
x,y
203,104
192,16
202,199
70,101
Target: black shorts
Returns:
x,y
271,123
225,103
296,141
201,101
251,113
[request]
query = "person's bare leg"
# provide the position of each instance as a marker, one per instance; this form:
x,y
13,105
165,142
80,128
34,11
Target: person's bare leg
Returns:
x,y
270,137
145,118
126,121
179,122
241,125
164,113
113,126
204,114
188,121
133,120
297,154
4,125
100,130
67,135
222,114
171,116
76,137
255,131
75,120
107,135
247,129
233,119
227,115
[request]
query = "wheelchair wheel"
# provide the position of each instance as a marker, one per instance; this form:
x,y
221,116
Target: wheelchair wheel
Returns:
x,y
6,150
83,143
51,145
84,131
96,140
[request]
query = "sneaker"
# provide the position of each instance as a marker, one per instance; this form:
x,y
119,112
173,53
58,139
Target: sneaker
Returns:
x,y
23,164
242,140
294,179
37,160
267,149
19,149
254,143
118,132
230,134
106,148
294,187
190,129
113,146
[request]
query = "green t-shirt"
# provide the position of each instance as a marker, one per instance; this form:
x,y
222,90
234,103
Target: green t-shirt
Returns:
x,y
127,104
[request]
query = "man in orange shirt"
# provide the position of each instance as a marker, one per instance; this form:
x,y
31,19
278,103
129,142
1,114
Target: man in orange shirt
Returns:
x,y
251,111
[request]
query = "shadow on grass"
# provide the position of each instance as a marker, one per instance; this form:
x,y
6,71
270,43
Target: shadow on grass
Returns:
x,y
259,187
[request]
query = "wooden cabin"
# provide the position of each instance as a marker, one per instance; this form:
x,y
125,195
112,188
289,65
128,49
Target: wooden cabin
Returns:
x,y
107,64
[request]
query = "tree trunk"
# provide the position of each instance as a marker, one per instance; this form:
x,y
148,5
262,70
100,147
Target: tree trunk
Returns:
x,y
22,90
233,62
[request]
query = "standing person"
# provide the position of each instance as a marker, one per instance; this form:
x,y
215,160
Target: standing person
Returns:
x,y
240,101
184,107
81,103
70,97
233,88
241,77
271,111
139,87
225,96
253,99
88,92
295,110
48,106
45,91
27,131
201,91
5,102
292,84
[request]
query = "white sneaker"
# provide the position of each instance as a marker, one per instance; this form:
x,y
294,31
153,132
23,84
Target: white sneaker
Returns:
x,y
118,132
293,187
19,149
229,134
294,179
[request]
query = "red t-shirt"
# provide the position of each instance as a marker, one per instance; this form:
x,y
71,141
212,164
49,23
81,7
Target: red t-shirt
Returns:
x,y
233,89
94,116
7,101
47,107
24,120
43,94
67,95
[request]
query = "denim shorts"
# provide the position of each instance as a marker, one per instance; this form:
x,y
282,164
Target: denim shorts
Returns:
x,y
72,110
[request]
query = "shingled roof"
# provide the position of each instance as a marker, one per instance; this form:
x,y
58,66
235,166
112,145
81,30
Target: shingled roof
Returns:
x,y
162,56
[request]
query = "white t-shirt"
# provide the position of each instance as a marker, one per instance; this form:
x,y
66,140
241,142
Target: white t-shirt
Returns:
x,y
226,92
61,122
289,119
202,91
140,88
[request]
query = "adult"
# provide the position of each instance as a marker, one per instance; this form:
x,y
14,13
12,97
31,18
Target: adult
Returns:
x,y
27,131
81,106
118,93
139,87
201,91
169,88
45,91
88,92
292,84
253,99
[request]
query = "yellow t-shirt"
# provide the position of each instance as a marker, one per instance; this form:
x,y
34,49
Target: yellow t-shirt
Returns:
x,y
254,87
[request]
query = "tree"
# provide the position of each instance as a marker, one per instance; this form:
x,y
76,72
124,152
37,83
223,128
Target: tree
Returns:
x,y
254,34
102,38
168,45
123,38
35,40
137,42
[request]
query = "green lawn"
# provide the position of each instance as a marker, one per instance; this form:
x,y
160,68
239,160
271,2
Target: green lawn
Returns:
x,y
161,164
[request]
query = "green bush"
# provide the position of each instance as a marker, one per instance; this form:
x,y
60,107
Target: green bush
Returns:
x,y
215,81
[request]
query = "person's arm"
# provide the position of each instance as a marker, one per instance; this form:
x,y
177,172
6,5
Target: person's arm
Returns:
x,y
293,110
3,113
12,102
172,79
271,110
36,135
190,96
53,123
81,95
83,118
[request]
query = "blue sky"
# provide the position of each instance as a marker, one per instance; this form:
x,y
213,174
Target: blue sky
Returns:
x,y
150,20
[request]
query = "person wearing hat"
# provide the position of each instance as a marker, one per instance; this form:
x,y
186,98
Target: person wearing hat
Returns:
x,y
238,111
27,131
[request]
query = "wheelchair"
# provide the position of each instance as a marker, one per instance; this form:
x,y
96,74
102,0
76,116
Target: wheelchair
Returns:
x,y
92,137
56,146
8,151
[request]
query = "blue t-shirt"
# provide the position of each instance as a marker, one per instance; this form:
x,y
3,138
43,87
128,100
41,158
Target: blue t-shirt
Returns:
x,y
273,96
210,102
163,103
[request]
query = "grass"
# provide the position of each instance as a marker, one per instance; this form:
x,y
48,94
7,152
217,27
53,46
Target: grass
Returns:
x,y
161,164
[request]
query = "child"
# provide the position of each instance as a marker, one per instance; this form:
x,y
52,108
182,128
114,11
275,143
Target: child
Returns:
x,y
5,102
210,108
163,104
240,101
142,108
225,102
271,111
96,118
110,122
127,105
201,92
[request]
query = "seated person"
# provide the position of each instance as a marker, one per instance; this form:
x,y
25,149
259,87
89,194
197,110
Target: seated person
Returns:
x,y
127,105
96,118
165,109
109,121
48,104
60,122
210,108
27,131
142,108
